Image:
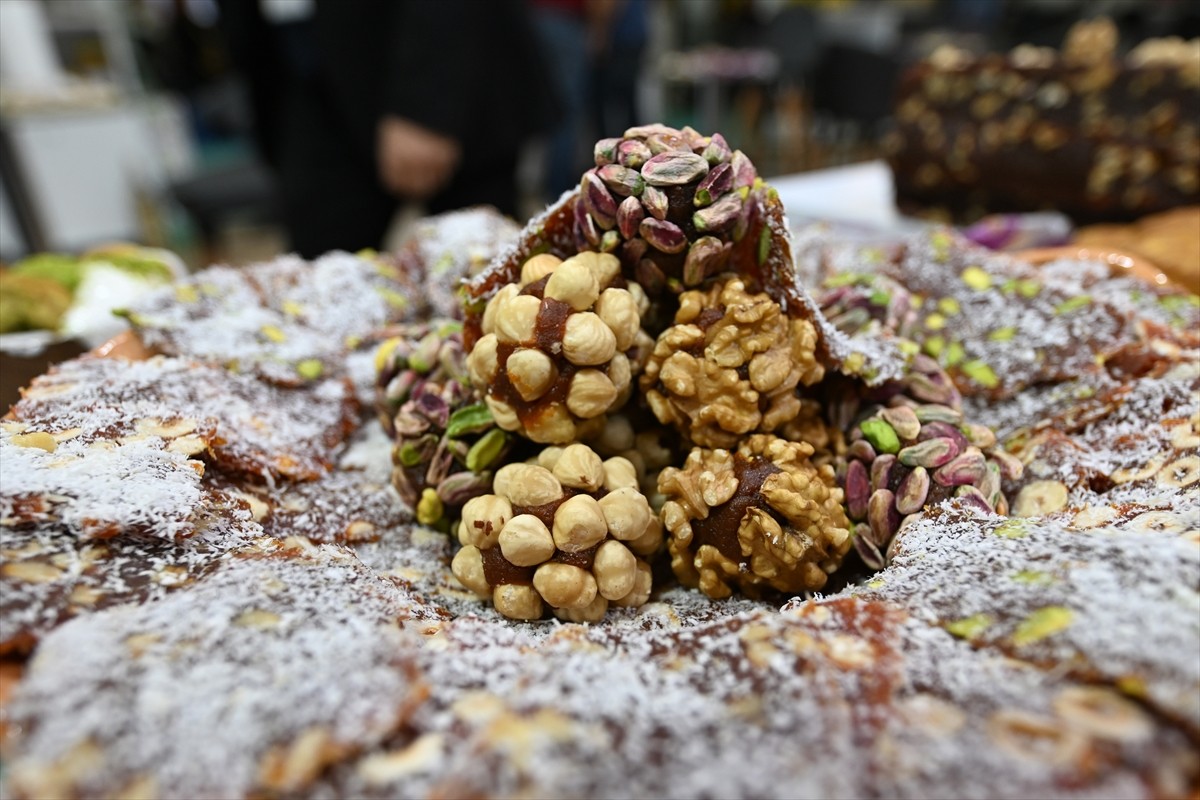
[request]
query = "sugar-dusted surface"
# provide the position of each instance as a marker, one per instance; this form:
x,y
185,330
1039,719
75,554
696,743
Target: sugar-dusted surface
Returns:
x,y
48,575
288,320
839,698
446,249
246,425
1117,607
98,488
283,660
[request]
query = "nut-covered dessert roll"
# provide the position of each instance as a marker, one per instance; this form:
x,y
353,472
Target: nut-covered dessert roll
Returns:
x,y
569,532
761,517
447,444
669,202
561,347
729,366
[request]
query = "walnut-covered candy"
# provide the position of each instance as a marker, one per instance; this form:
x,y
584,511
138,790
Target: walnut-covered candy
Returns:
x,y
561,347
730,365
568,531
761,517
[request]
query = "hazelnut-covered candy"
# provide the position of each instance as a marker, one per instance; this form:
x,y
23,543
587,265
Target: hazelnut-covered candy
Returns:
x,y
561,347
568,532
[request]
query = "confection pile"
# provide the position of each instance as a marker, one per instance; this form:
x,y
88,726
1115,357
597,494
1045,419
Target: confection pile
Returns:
x,y
665,499
1085,129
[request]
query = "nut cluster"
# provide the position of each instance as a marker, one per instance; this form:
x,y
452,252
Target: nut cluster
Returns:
x,y
760,517
908,455
561,347
669,202
730,365
446,443
866,304
570,531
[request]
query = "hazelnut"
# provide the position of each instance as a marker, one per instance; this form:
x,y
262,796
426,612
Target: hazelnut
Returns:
x,y
516,320
467,566
615,569
580,561
592,612
483,518
565,585
619,311
483,362
579,524
626,513
619,473
516,601
538,267
591,393
527,485
526,541
587,341
578,467
574,284
537,334
531,372
643,580
506,293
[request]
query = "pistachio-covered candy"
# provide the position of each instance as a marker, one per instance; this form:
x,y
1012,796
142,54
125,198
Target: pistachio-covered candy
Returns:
x,y
907,456
446,443
561,347
412,354
761,517
568,532
864,304
730,365
670,203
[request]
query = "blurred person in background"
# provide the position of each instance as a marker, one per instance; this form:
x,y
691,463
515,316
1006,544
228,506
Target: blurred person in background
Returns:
x,y
615,66
594,51
361,105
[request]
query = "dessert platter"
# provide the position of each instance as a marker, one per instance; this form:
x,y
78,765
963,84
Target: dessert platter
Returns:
x,y
654,496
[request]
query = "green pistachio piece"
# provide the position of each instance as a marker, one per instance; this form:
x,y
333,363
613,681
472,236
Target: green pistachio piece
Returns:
x,y
1005,334
934,345
949,306
470,419
981,373
976,278
485,452
1011,529
881,436
273,333
1074,304
954,354
310,369
392,297
971,627
430,507
1042,623
1033,577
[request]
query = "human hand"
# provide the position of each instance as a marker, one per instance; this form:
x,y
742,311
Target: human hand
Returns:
x,y
414,161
